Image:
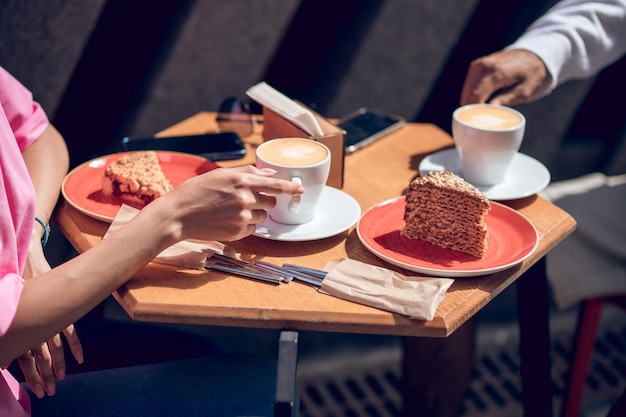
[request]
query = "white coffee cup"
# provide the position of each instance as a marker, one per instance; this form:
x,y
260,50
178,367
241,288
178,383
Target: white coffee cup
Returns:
x,y
487,137
304,161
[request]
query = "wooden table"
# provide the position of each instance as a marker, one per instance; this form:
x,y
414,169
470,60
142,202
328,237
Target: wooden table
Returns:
x,y
379,172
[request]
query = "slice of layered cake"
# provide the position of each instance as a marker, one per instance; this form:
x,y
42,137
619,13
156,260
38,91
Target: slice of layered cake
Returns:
x,y
135,178
445,210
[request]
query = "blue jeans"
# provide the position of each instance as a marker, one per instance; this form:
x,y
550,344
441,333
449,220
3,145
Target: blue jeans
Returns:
x,y
138,369
217,385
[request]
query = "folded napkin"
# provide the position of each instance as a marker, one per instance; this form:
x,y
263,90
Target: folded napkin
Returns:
x,y
276,101
186,254
416,297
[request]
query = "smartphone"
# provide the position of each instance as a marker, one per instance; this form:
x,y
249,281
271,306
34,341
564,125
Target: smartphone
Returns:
x,y
213,146
364,126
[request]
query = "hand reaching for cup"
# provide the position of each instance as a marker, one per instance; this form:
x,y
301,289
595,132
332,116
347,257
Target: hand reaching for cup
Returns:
x,y
506,78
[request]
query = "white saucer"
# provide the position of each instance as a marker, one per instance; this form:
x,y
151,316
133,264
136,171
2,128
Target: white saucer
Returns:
x,y
526,176
337,212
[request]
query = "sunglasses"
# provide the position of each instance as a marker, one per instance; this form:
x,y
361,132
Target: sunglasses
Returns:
x,y
234,115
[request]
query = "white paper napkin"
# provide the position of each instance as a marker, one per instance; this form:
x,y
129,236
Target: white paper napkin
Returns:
x,y
416,297
273,99
186,254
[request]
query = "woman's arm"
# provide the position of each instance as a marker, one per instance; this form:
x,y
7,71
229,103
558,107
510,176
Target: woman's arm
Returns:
x,y
224,204
47,162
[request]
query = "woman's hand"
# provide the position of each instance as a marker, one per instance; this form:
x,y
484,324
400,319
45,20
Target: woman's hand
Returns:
x,y
226,203
40,365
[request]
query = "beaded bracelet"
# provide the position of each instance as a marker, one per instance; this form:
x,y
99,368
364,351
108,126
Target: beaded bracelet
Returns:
x,y
46,231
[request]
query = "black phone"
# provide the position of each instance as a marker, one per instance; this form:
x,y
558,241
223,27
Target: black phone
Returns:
x,y
213,146
364,126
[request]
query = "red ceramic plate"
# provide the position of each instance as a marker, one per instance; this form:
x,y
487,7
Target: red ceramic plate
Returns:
x,y
82,187
512,238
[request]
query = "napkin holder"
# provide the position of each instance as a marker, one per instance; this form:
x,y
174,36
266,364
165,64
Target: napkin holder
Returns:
x,y
275,126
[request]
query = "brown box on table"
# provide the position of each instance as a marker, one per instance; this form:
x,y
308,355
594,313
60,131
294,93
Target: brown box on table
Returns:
x,y
275,126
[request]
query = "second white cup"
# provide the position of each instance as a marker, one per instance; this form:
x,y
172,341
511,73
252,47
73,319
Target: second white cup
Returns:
x,y
304,161
487,138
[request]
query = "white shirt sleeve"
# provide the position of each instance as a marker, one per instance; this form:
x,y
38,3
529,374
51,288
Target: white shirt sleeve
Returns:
x,y
576,39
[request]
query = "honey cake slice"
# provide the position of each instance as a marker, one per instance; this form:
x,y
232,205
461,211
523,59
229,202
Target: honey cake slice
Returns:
x,y
137,179
445,210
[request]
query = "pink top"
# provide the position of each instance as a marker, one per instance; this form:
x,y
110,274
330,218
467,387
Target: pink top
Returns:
x,y
22,121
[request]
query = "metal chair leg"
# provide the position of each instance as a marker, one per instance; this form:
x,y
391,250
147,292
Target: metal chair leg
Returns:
x,y
286,404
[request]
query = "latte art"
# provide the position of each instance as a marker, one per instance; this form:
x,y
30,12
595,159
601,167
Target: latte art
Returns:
x,y
487,137
489,118
300,160
287,152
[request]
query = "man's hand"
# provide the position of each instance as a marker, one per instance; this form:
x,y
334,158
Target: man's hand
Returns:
x,y
506,78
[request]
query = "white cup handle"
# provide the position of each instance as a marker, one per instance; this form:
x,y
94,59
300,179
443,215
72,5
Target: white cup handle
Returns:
x,y
296,200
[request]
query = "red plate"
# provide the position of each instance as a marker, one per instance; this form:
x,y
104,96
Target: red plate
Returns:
x,y
82,187
512,238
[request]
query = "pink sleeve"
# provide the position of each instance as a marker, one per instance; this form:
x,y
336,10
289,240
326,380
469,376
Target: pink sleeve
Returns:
x,y
22,121
26,117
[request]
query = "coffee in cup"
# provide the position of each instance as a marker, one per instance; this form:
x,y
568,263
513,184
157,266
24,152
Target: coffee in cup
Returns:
x,y
304,161
293,152
487,137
